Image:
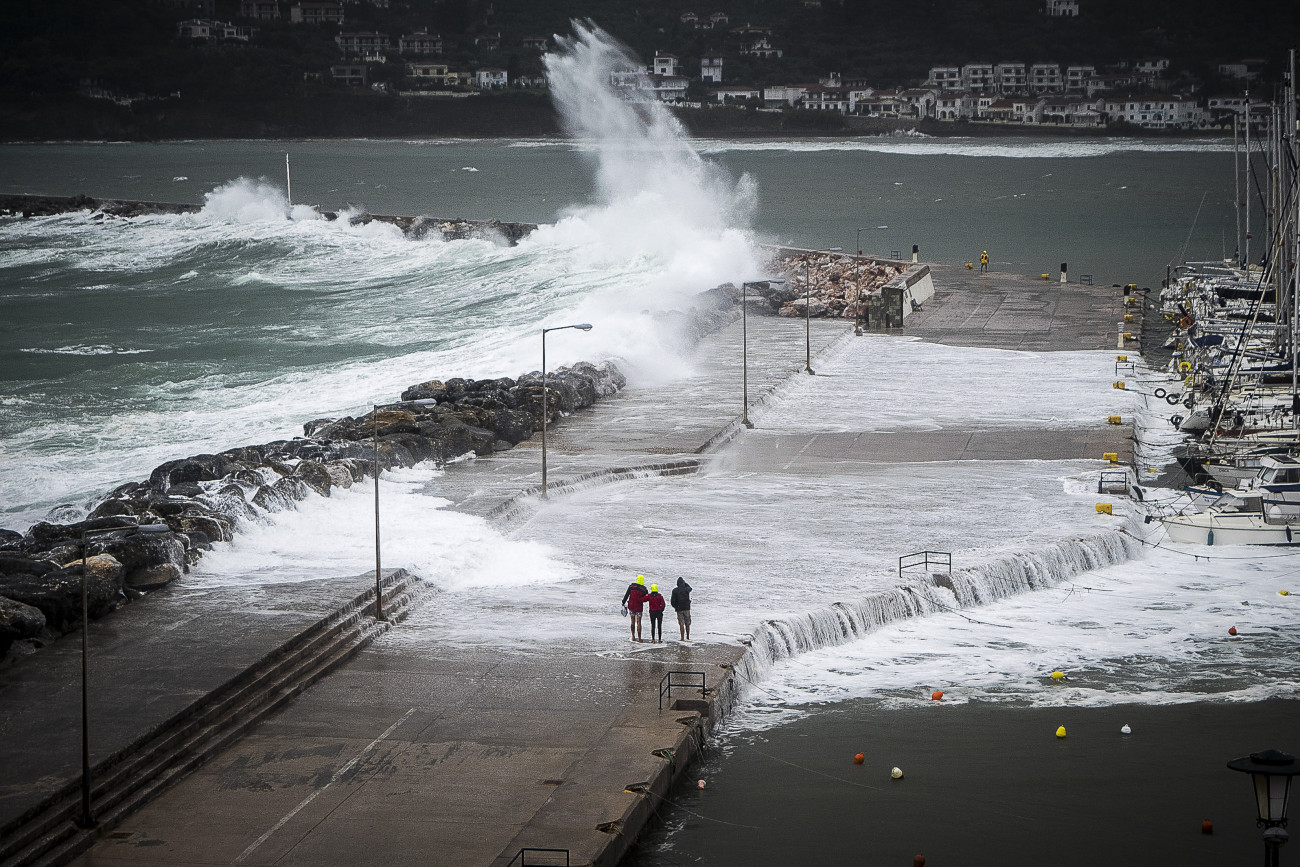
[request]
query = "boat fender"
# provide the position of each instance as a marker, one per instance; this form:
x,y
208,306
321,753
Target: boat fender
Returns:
x,y
1175,420
1209,537
1172,398
1160,392
1138,490
1288,534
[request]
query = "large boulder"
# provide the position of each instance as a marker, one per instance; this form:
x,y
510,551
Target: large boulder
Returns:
x,y
10,540
199,468
58,594
316,476
141,550
153,577
18,621
434,389
512,425
13,563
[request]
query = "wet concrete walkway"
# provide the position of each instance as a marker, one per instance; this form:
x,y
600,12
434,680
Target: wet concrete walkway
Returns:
x,y
416,752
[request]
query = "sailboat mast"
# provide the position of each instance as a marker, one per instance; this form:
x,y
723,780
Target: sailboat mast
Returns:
x,y
1236,187
288,183
1246,204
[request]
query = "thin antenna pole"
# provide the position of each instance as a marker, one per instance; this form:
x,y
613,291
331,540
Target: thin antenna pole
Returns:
x,y
288,184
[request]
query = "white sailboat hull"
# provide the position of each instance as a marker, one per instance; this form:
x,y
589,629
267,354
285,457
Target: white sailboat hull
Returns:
x,y
1229,529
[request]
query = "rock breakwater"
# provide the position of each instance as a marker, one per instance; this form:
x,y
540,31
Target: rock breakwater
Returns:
x,y
186,505
822,285
457,229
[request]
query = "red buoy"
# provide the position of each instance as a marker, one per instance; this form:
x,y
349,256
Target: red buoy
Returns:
x,y
1232,630
1207,827
937,695
918,861
859,759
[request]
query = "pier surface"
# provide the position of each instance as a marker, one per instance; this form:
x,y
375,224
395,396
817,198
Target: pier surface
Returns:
x,y
416,751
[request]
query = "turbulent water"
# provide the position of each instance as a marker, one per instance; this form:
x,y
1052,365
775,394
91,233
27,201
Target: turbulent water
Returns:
x,y
130,342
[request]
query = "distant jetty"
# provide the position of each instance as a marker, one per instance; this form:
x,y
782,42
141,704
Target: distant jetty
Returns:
x,y
455,229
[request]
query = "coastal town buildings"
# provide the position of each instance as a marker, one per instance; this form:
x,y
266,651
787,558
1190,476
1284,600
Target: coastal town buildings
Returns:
x,y
1140,92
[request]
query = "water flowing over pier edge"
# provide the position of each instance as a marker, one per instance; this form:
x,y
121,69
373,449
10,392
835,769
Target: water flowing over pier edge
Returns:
x,y
783,638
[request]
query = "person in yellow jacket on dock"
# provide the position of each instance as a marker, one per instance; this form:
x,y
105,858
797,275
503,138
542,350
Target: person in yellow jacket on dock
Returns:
x,y
984,260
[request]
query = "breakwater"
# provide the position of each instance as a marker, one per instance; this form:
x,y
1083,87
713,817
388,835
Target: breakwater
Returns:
x,y
456,229
202,499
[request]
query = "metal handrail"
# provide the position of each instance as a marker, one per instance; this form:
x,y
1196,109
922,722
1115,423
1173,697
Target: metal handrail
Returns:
x,y
521,859
668,682
925,560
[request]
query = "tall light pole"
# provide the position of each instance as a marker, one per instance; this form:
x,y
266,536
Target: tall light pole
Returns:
x,y
374,419
583,327
744,351
87,815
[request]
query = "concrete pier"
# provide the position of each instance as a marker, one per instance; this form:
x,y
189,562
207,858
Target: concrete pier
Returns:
x,y
419,752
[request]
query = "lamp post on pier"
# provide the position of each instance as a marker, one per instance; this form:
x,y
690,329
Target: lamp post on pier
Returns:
x,y
374,420
583,327
1271,772
87,818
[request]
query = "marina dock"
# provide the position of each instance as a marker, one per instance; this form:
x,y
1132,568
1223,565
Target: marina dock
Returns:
x,y
406,750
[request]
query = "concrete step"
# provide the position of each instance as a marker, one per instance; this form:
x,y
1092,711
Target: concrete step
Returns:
x,y
122,783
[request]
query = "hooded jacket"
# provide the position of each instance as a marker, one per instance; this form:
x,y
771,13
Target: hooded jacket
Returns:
x,y
681,598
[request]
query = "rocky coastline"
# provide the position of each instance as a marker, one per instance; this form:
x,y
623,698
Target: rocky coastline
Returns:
x,y
190,503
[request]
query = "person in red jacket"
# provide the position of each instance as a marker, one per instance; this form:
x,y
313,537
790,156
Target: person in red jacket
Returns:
x,y
655,603
633,599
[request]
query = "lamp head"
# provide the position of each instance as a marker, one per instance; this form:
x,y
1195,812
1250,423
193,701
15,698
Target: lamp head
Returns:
x,y
1271,772
586,326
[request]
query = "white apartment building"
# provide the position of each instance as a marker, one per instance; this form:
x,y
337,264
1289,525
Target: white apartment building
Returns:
x,y
944,78
665,64
1063,8
711,68
1010,77
978,77
1045,78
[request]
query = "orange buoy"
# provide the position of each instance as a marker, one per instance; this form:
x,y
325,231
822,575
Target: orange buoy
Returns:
x,y
859,759
1185,322
1207,827
1232,630
937,695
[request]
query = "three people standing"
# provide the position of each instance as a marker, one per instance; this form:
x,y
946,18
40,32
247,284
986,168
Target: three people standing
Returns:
x,y
636,599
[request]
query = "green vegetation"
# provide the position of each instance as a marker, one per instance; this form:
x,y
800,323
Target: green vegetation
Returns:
x,y
279,82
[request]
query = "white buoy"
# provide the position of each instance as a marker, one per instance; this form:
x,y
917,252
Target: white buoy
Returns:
x,y
896,773
1124,729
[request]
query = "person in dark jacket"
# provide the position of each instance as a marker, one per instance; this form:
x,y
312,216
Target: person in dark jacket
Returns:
x,y
681,602
655,602
633,600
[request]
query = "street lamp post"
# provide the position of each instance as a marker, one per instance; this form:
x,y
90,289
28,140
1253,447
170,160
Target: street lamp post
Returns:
x,y
1271,772
583,327
744,345
87,815
374,421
